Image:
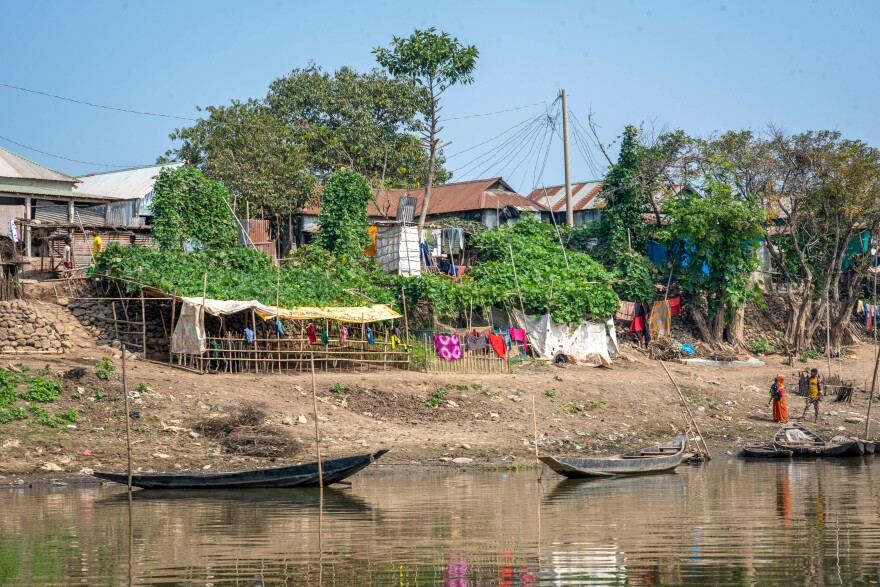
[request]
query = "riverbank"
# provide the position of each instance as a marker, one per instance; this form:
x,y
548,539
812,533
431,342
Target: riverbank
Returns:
x,y
478,420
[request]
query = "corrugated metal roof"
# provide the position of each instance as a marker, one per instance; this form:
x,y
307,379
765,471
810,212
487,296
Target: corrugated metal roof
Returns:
x,y
125,184
17,167
583,196
52,193
479,194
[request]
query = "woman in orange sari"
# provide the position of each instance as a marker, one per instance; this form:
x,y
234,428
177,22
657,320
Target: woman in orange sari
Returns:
x,y
777,398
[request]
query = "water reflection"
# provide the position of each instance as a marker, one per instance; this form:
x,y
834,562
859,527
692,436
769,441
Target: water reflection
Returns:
x,y
729,523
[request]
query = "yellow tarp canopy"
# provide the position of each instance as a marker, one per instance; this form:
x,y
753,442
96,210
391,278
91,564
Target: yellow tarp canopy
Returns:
x,y
356,314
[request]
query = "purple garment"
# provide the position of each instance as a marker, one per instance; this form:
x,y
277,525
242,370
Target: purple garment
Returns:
x,y
447,347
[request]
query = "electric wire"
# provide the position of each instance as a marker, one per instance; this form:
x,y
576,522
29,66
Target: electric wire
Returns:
x,y
65,158
493,152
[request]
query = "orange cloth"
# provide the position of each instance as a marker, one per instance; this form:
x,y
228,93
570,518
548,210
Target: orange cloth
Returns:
x,y
780,410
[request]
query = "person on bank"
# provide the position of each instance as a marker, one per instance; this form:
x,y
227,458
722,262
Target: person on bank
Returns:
x,y
815,391
777,399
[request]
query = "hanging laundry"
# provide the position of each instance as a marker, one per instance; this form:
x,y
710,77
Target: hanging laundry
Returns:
x,y
280,328
498,345
627,311
675,306
325,337
343,335
426,254
249,335
447,347
396,332
395,340
660,320
861,308
519,335
474,341
13,231
310,332
637,326
370,338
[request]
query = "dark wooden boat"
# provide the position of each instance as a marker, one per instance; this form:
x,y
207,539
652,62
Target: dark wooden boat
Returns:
x,y
662,457
799,440
766,451
869,446
305,475
842,446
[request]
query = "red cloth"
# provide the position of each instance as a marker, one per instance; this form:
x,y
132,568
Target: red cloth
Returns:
x,y
498,345
310,331
638,324
675,306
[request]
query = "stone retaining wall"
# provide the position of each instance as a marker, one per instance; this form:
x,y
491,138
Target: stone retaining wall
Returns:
x,y
96,315
23,329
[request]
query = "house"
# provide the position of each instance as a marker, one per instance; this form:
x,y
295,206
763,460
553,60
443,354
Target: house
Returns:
x,y
585,201
490,201
130,189
31,195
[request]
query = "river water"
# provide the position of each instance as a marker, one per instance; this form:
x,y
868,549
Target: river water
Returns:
x,y
731,522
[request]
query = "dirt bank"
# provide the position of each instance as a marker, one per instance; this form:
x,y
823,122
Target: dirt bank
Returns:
x,y
480,420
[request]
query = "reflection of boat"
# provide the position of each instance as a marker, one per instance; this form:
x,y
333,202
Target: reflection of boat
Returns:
x,y
305,475
766,451
332,500
662,486
802,442
662,457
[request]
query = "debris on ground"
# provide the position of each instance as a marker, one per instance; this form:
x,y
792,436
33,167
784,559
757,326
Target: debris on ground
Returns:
x,y
244,431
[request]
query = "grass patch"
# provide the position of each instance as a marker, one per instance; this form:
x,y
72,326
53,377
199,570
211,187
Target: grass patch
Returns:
x,y
436,399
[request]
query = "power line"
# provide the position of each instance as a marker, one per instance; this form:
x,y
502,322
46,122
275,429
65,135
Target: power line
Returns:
x,y
62,157
93,105
497,111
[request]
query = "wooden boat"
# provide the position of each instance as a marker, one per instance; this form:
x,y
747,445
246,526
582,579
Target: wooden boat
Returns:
x,y
799,440
305,475
662,457
766,451
869,446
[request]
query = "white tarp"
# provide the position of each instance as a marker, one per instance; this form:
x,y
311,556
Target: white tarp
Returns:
x,y
189,332
592,343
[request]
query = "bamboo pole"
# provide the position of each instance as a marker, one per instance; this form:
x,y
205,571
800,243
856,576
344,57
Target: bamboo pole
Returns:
x,y
405,318
535,425
687,409
127,416
317,433
144,317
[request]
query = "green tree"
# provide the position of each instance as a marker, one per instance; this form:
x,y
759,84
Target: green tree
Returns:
x,y
365,122
187,206
433,62
714,239
621,226
343,217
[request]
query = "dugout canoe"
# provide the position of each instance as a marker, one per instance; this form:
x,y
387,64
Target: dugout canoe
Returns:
x,y
305,475
654,459
766,451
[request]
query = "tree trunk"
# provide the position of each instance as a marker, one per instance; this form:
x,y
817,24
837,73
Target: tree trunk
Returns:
x,y
736,334
706,333
432,159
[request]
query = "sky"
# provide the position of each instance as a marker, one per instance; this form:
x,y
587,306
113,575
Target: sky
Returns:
x,y
702,66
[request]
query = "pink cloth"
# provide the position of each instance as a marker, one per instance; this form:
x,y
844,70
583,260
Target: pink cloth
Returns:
x,y
310,332
519,335
447,347
343,335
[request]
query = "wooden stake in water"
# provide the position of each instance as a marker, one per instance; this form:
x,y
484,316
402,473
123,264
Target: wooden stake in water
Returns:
x,y
317,434
535,425
127,415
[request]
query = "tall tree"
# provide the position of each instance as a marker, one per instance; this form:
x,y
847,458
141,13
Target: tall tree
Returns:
x,y
365,122
434,62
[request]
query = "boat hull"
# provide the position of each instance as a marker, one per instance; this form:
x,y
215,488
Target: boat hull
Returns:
x,y
333,471
766,451
632,464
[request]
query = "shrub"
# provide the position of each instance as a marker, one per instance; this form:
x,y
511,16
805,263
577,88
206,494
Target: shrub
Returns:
x,y
42,390
105,369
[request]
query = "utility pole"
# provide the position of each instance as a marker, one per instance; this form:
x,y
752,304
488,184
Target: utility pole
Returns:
x,y
569,211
